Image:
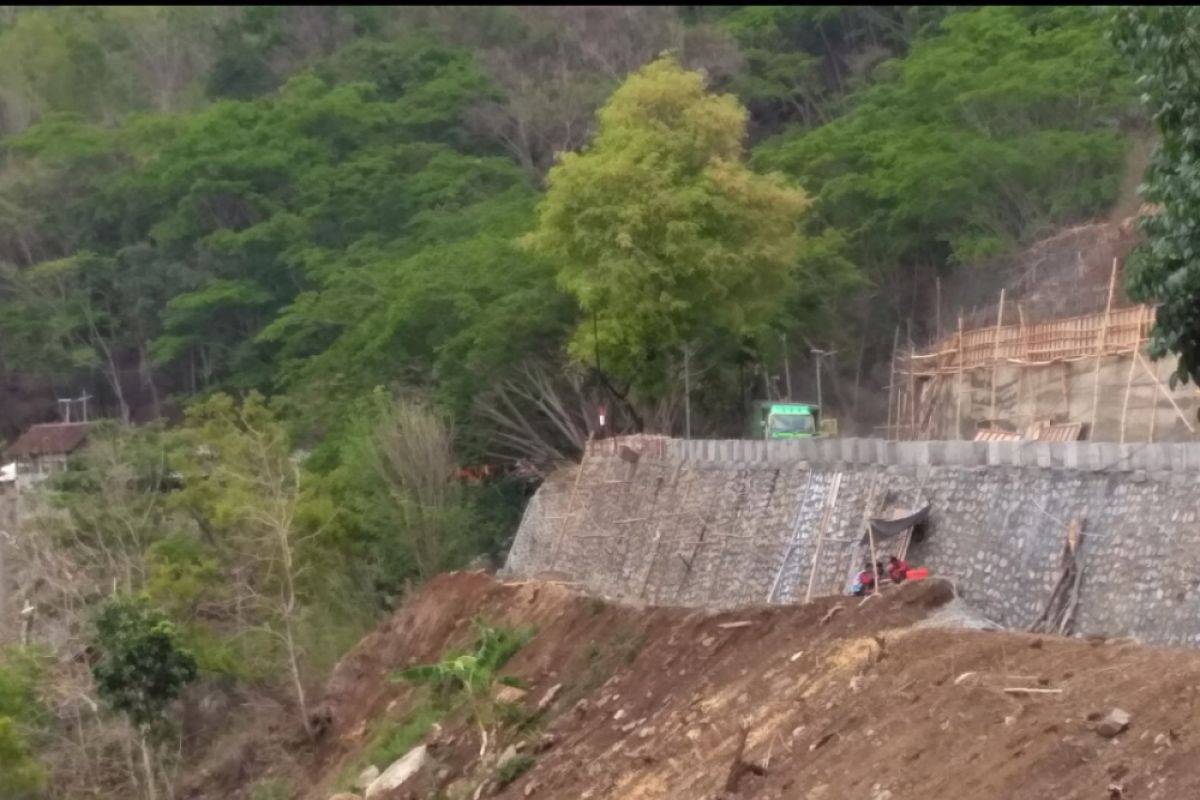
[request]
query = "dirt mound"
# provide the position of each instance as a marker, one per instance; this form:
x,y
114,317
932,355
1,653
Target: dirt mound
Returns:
x,y
843,698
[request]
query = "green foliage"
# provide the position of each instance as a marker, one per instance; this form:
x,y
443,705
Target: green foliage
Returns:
x,y
661,232
22,720
474,677
1162,46
989,132
399,736
20,773
143,667
513,768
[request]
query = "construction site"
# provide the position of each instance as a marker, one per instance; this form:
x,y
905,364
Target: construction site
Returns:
x,y
698,633
1060,354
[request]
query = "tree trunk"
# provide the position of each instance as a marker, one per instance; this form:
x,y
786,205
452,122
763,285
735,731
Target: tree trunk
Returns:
x,y
148,766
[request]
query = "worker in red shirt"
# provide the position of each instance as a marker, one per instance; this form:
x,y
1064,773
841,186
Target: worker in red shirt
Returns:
x,y
897,570
866,581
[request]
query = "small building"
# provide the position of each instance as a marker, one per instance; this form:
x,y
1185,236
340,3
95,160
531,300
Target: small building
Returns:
x,y
44,449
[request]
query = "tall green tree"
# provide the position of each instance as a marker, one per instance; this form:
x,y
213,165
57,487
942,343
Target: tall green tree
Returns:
x,y
1163,45
660,231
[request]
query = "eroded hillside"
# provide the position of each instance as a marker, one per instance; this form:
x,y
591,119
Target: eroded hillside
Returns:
x,y
842,698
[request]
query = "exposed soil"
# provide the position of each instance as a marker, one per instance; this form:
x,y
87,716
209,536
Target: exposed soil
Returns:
x,y
853,703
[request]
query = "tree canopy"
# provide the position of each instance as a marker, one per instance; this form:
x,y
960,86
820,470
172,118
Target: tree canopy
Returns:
x,y
660,231
1163,46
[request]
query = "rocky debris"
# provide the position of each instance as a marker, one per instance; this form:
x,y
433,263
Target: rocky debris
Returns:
x,y
531,788
345,796
510,694
1114,724
549,697
581,708
548,741
620,715
365,778
399,772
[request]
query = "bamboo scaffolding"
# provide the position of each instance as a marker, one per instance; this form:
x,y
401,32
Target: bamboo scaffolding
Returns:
x,y
1064,340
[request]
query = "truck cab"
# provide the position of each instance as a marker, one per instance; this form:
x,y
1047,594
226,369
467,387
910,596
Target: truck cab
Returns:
x,y
792,421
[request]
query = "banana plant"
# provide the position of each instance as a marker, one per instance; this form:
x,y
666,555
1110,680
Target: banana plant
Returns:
x,y
474,677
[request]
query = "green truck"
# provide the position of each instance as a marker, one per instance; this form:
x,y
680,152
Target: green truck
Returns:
x,y
778,420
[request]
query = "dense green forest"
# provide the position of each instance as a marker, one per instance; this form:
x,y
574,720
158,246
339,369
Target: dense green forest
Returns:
x,y
396,241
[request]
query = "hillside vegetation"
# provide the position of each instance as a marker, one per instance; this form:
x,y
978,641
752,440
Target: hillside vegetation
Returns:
x,y
323,257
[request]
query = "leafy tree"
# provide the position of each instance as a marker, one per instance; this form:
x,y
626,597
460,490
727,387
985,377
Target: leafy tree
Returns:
x,y
1163,46
990,131
661,233
21,716
803,62
143,669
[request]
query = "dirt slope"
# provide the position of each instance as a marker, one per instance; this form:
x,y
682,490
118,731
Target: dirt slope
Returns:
x,y
863,705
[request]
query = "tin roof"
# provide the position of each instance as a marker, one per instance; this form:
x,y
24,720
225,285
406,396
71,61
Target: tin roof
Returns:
x,y
52,438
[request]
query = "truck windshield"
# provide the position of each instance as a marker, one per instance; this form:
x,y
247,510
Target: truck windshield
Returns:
x,y
790,423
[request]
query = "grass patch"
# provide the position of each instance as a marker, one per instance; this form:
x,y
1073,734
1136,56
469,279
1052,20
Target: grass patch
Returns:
x,y
390,741
512,769
402,735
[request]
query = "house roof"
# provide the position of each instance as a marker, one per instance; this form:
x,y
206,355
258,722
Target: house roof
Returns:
x,y
49,439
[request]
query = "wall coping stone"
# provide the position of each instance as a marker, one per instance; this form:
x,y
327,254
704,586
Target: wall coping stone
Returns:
x,y
1071,456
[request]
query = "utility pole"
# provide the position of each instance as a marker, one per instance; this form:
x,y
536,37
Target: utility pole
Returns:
x,y
787,368
687,393
821,354
83,403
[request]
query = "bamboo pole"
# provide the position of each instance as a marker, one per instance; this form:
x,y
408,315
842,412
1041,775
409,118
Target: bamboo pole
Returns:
x,y
962,355
996,357
1153,407
570,505
891,431
1164,391
812,573
1128,388
1021,382
912,385
874,559
1132,367
791,540
1112,282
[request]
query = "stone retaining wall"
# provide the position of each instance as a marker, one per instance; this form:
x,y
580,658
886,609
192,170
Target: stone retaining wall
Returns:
x,y
721,524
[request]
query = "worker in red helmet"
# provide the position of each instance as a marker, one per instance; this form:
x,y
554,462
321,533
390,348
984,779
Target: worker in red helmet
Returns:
x,y
897,569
